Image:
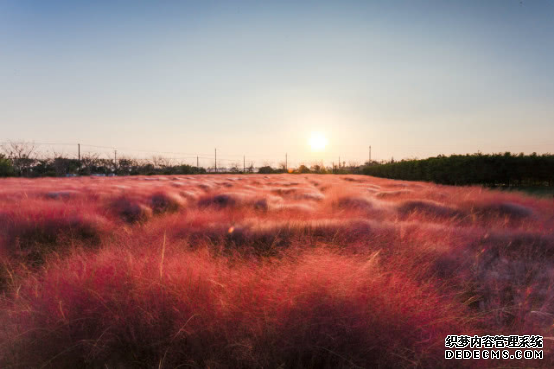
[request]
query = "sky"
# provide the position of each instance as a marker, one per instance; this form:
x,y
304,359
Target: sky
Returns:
x,y
260,78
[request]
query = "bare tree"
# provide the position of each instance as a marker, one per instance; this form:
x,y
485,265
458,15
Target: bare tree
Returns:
x,y
317,168
267,163
161,162
235,167
22,155
250,167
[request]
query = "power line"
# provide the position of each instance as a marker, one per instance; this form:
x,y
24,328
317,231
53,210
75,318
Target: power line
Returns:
x,y
123,151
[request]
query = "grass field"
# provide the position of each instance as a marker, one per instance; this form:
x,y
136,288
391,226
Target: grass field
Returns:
x,y
290,271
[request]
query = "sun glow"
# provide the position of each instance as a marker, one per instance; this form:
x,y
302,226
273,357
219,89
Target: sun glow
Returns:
x,y
317,141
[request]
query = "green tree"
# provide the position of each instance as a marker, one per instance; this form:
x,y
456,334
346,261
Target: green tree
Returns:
x,y
6,167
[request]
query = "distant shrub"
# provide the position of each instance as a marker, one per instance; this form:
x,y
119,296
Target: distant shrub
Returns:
x,y
320,169
6,167
267,170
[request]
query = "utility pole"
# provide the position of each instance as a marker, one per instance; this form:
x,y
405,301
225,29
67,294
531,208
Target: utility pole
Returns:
x,y
339,162
79,152
115,159
369,162
244,164
286,162
196,161
215,162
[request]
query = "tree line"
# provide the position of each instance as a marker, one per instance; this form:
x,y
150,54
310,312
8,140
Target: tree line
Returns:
x,y
22,160
502,169
61,167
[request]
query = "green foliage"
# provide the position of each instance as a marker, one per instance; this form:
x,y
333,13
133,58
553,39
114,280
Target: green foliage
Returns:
x,y
267,170
319,169
6,167
44,168
184,169
60,167
491,169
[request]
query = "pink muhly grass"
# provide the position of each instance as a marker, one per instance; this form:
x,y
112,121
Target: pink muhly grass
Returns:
x,y
266,271
318,309
33,232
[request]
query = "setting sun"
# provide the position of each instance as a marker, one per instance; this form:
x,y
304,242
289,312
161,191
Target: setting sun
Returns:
x,y
318,142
